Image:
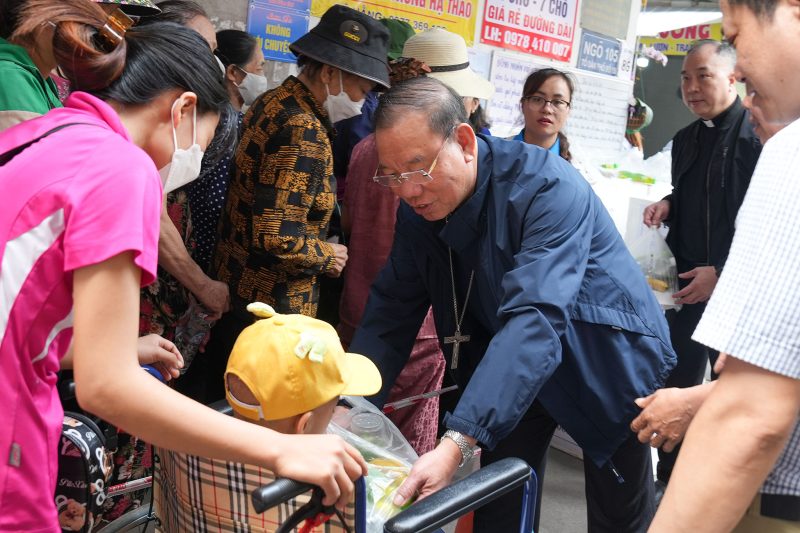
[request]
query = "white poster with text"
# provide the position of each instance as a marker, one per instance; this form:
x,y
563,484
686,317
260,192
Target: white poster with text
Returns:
x,y
543,28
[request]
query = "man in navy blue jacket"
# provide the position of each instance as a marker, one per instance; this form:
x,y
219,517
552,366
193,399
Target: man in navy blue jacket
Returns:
x,y
545,317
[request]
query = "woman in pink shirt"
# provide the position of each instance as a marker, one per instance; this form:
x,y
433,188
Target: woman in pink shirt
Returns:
x,y
81,195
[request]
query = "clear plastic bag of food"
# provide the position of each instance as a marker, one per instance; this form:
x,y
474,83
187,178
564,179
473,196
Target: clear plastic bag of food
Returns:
x,y
658,265
388,454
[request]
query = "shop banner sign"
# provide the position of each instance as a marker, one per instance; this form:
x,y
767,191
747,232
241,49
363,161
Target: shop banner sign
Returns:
x,y
275,29
599,54
677,42
543,28
301,6
457,16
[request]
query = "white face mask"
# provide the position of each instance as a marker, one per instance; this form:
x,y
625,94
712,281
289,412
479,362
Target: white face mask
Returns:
x,y
340,106
185,164
252,87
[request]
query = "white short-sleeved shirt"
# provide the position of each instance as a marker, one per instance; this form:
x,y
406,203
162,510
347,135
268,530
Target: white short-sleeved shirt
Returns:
x,y
754,313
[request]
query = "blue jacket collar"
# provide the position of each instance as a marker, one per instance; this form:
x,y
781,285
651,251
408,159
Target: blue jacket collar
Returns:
x,y
556,148
464,224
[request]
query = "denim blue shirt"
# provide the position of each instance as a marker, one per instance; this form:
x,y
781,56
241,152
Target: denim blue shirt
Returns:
x,y
560,311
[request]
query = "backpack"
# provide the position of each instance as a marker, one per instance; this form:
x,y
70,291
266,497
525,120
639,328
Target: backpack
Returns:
x,y
84,468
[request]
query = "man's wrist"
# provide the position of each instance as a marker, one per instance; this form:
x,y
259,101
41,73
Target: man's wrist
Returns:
x,y
464,443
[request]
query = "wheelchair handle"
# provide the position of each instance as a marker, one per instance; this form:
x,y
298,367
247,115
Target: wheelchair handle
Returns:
x,y
458,499
277,492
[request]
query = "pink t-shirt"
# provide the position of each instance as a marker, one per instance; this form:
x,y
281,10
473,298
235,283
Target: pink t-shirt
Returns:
x,y
73,199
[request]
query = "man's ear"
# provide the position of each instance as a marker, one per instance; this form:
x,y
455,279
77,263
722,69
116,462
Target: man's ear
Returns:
x,y
465,137
732,79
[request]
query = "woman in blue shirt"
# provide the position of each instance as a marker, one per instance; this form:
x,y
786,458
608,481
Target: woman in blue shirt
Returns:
x,y
546,100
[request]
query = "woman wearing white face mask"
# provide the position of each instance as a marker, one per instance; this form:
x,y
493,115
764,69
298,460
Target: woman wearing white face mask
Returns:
x,y
272,244
243,61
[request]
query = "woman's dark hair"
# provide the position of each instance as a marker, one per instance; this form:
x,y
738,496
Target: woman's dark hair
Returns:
x,y
235,47
147,62
532,84
9,16
479,120
178,11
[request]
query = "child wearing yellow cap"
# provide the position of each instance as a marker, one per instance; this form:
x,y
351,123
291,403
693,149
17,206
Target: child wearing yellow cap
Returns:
x,y
285,372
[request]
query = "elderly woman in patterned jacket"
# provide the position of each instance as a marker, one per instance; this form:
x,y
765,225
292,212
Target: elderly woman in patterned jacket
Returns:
x,y
272,244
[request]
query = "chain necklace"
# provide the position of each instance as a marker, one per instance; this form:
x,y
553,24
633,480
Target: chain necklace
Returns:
x,y
457,338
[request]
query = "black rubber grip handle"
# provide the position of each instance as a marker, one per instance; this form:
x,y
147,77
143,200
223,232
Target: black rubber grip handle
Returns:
x,y
277,492
462,497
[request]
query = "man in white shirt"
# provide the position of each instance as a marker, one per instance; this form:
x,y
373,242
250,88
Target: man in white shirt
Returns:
x,y
750,418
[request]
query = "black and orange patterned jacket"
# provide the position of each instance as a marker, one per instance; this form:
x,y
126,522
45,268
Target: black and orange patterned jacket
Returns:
x,y
272,231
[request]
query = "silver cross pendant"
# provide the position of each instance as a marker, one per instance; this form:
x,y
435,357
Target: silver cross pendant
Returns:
x,y
456,341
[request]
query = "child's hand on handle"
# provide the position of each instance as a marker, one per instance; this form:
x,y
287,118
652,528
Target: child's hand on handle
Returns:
x,y
162,354
323,460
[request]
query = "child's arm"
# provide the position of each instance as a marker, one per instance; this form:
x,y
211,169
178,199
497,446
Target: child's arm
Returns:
x,y
110,384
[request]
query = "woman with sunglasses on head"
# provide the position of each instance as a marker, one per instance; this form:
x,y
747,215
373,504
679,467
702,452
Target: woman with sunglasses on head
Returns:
x,y
78,237
545,103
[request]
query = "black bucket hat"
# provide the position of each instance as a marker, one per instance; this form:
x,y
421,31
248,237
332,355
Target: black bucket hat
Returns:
x,y
350,41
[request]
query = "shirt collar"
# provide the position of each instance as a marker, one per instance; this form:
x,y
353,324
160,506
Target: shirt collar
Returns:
x,y
301,92
94,106
726,118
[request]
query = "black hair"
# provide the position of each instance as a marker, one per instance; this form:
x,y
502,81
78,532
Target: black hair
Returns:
x,y
147,62
189,65
9,16
441,104
721,48
235,47
532,84
178,11
760,8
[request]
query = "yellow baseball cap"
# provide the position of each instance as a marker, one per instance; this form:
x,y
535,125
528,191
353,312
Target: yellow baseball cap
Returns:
x,y
293,364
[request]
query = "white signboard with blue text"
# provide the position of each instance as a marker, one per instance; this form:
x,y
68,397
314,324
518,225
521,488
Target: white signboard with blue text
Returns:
x,y
276,24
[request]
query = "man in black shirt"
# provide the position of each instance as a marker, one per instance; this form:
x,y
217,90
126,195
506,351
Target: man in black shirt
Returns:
x,y
712,161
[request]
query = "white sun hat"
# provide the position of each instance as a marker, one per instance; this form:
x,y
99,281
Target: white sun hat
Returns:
x,y
446,55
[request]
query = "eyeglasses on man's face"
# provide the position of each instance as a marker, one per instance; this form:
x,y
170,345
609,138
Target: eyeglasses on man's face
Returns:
x,y
415,176
538,101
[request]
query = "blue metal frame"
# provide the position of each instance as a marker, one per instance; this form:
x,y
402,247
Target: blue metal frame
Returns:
x,y
529,491
361,505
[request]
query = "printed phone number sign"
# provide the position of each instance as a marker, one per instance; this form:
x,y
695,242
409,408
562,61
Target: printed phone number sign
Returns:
x,y
599,54
457,16
275,29
543,28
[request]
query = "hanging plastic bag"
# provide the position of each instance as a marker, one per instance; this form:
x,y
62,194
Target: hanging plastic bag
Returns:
x,y
388,454
658,265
